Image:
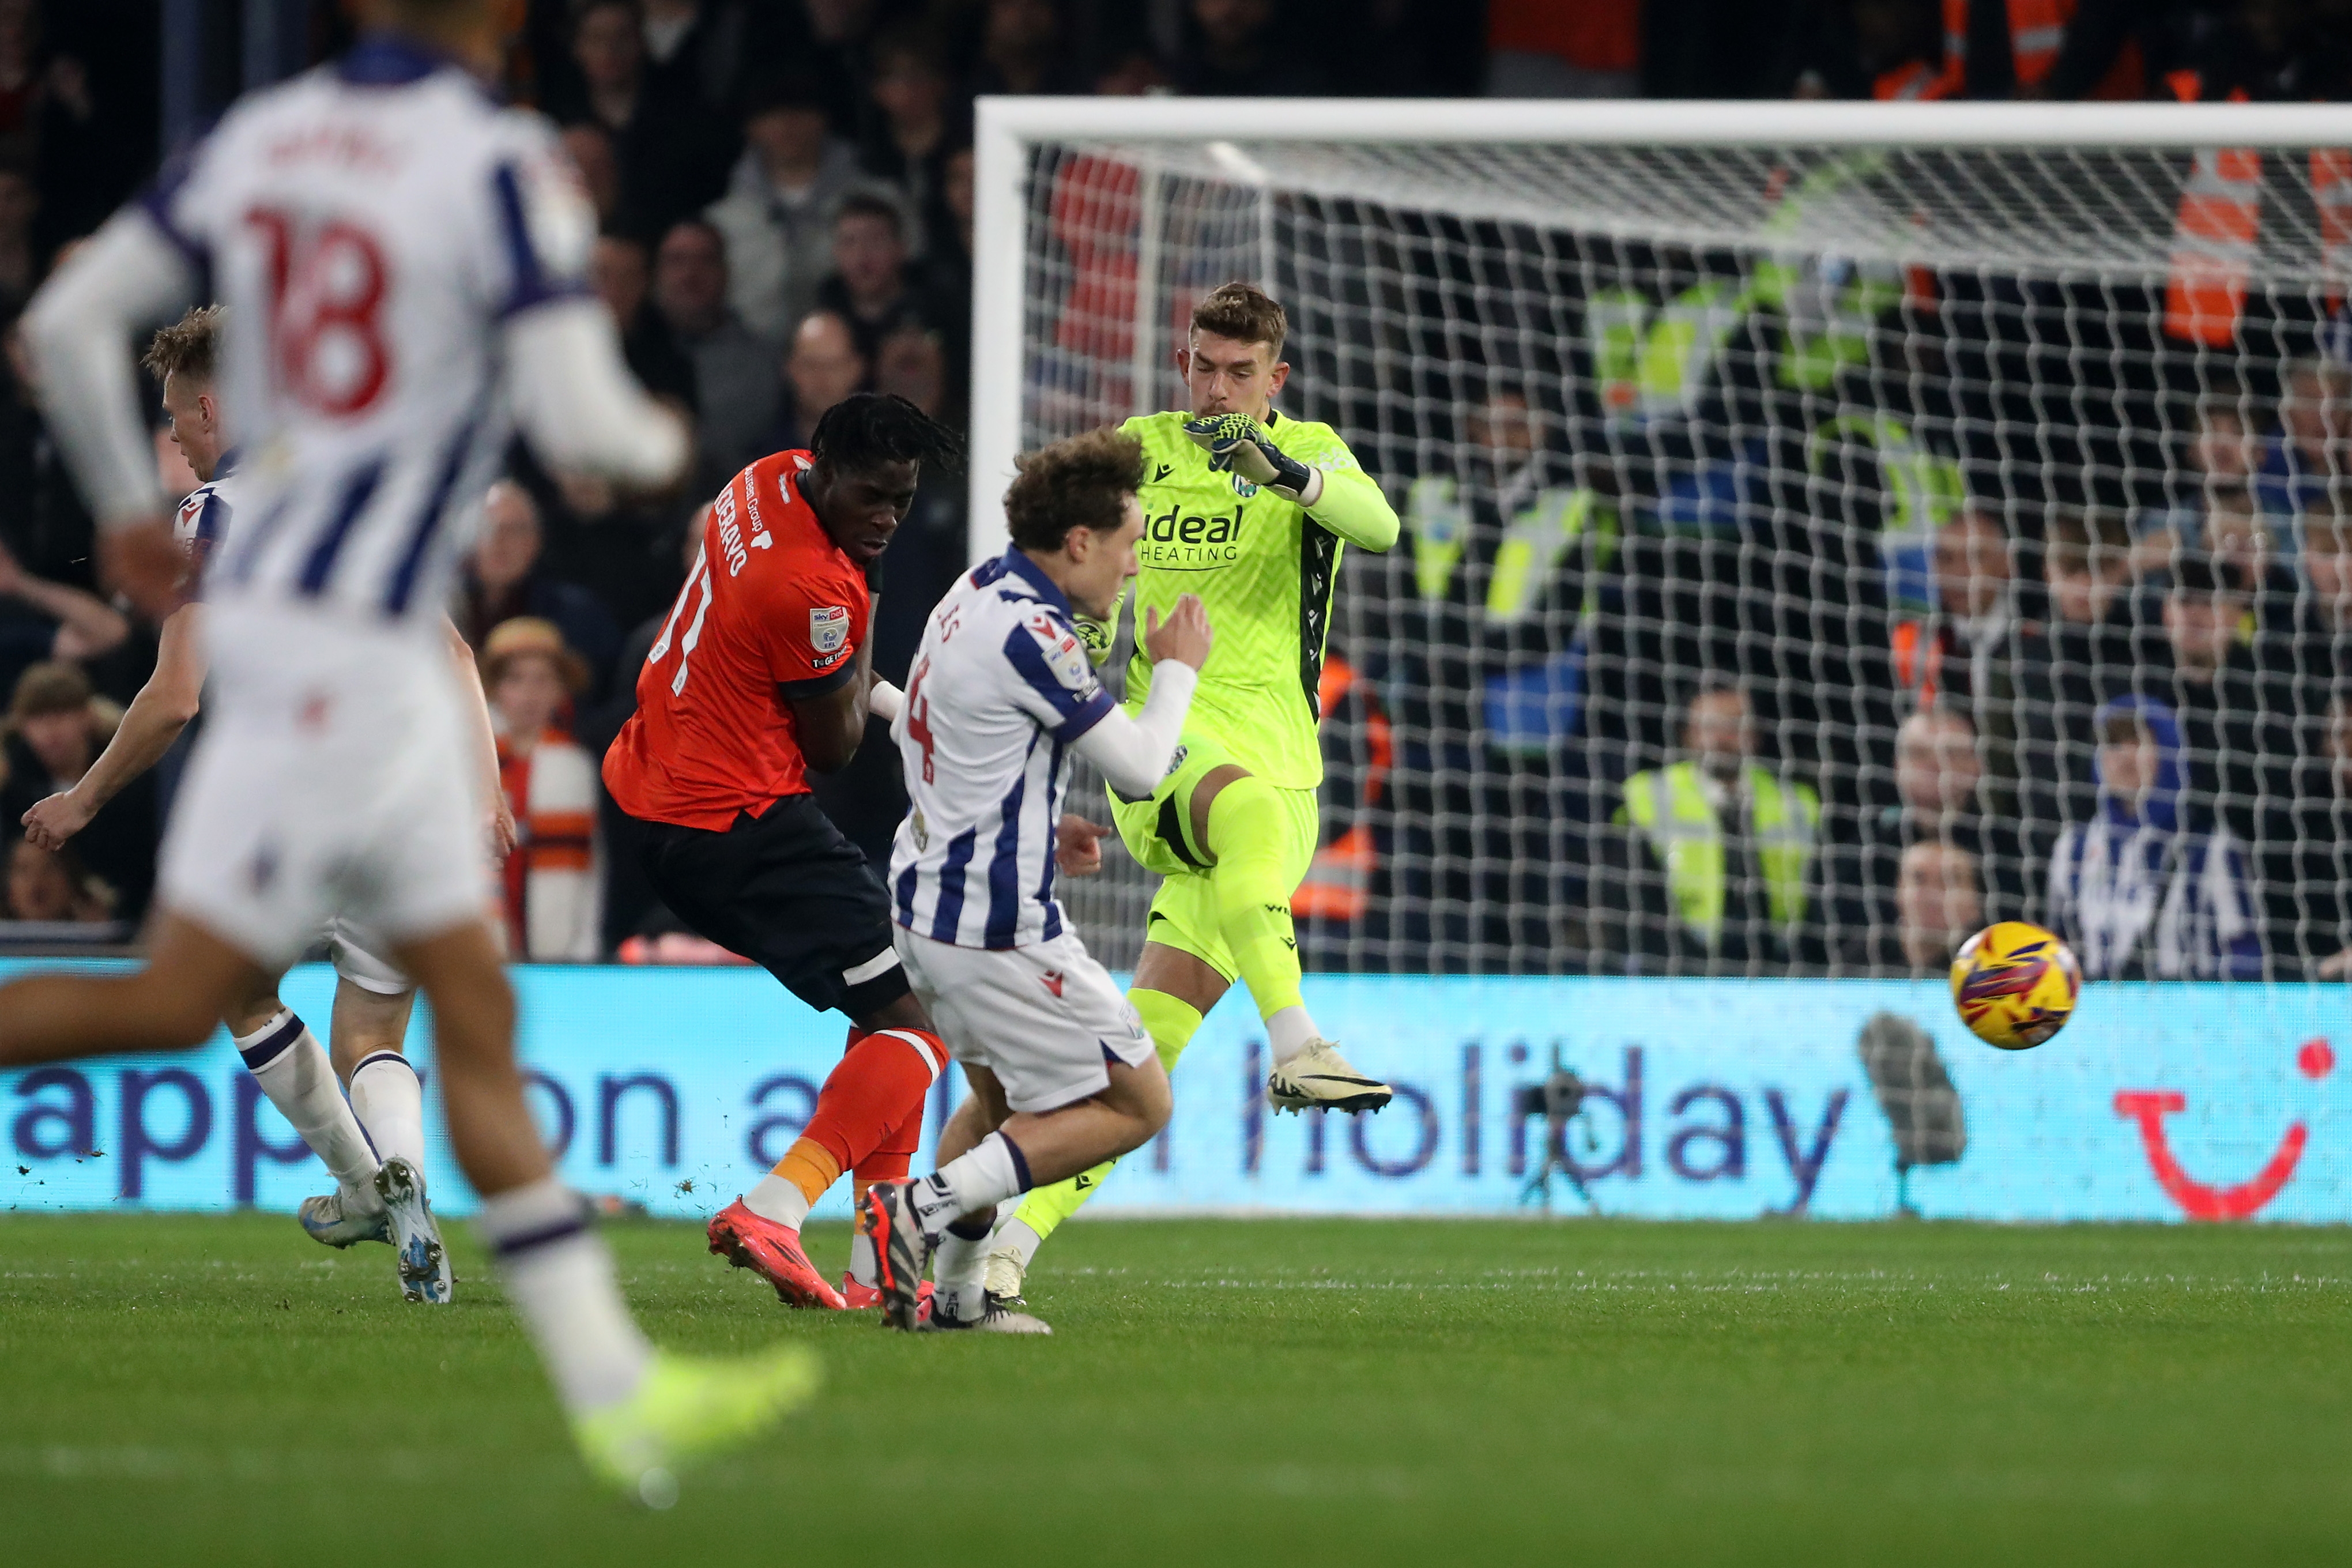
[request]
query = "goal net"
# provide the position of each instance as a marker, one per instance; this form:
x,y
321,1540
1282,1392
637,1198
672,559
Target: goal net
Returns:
x,y
1827,529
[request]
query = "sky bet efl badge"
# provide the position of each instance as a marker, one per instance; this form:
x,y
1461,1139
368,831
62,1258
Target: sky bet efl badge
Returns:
x,y
829,629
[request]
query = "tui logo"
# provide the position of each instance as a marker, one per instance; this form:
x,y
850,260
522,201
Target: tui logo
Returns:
x,y
2198,1200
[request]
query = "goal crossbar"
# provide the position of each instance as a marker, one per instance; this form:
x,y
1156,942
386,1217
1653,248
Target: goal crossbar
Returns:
x,y
1009,129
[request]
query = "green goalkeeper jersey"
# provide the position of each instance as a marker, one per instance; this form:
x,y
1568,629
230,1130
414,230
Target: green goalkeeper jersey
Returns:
x,y
1264,569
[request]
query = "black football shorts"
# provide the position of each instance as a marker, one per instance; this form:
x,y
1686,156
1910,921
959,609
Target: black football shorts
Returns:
x,y
787,892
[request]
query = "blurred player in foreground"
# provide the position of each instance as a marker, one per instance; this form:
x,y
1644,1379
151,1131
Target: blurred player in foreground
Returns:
x,y
403,263
374,1144
763,675
1248,509
1063,1075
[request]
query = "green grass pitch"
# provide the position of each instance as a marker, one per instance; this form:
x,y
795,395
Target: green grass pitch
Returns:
x,y
218,1390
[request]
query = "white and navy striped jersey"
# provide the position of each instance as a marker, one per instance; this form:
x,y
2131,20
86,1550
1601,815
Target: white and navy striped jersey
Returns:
x,y
1001,690
203,520
370,226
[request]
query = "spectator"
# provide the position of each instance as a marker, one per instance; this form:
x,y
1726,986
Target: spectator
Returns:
x,y
51,887
1720,852
671,159
1939,905
503,580
2079,654
868,288
622,274
1237,50
1960,655
823,367
2322,646
914,365
776,218
838,55
2217,462
553,882
2235,717
591,146
2311,886
41,620
1891,50
910,142
1939,788
2137,891
695,49
948,265
735,388
2313,446
1024,49
56,729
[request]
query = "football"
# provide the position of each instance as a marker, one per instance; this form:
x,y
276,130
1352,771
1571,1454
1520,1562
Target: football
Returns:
x,y
2015,984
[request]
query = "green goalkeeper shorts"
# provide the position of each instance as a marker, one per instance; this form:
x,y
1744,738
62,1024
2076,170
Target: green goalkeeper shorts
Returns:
x,y
1157,832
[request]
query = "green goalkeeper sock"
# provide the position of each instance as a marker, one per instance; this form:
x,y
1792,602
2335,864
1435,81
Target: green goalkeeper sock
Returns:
x,y
1171,1024
1247,834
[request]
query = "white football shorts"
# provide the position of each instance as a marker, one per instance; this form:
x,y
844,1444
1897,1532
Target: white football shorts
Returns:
x,y
361,957
332,782
1046,1019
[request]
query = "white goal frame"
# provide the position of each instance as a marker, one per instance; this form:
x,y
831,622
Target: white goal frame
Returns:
x,y
1010,128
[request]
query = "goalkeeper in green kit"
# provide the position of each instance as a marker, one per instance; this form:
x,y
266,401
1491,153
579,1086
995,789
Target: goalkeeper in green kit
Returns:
x,y
1249,510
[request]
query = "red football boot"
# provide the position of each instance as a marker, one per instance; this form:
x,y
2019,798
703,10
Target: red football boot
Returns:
x,y
866,1298
773,1252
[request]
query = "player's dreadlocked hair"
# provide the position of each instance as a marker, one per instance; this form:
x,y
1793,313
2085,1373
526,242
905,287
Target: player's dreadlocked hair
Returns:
x,y
1083,482
189,347
868,429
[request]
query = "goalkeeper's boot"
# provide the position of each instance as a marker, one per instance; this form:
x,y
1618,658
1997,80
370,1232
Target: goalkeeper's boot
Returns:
x,y
424,1262
773,1252
997,1317
1320,1078
687,1408
902,1252
1006,1274
334,1220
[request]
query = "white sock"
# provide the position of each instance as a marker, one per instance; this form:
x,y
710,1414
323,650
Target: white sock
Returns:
x,y
958,1273
287,1060
991,1172
389,1104
1015,1237
772,1197
861,1260
1288,1032
558,1276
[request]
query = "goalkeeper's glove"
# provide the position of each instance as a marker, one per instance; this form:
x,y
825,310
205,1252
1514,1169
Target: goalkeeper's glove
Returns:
x,y
1238,444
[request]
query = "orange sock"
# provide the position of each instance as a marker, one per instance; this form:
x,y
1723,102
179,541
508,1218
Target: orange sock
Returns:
x,y
877,1090
892,1157
809,1166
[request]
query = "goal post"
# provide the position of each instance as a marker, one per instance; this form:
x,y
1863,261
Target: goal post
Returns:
x,y
1766,356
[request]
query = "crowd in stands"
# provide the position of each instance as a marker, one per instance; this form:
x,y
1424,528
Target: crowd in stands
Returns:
x,y
2121,714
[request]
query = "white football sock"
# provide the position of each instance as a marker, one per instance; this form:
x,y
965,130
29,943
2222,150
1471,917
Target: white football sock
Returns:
x,y
1288,1032
958,1268
772,1197
558,1276
389,1104
991,1172
861,1260
287,1060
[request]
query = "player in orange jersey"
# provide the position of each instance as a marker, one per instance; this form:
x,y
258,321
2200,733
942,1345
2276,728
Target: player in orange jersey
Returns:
x,y
763,675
